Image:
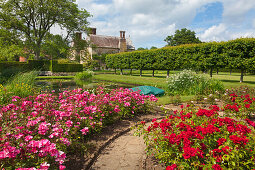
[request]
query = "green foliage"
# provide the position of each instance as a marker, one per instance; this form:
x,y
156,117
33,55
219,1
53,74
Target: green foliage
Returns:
x,y
22,85
183,36
188,82
235,54
10,69
42,65
10,45
33,19
153,47
55,46
141,48
55,67
85,75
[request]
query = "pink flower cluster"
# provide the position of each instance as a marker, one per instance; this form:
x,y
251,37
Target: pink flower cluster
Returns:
x,y
43,126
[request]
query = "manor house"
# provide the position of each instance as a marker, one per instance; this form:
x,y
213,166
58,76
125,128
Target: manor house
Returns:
x,y
102,44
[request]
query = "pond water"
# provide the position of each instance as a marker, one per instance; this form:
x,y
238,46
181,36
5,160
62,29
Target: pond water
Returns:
x,y
60,84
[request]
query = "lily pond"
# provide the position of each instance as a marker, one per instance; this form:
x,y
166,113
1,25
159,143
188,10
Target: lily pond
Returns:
x,y
59,85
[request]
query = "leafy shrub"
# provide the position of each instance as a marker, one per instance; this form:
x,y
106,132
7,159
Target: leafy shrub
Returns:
x,y
85,75
199,139
22,85
240,102
188,82
8,73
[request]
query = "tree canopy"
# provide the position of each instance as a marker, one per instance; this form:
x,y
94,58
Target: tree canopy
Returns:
x,y
55,46
183,36
34,18
10,45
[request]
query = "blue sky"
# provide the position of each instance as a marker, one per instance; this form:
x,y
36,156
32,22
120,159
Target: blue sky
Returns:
x,y
148,22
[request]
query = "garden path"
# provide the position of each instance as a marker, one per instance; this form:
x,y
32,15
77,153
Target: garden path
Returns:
x,y
116,148
127,152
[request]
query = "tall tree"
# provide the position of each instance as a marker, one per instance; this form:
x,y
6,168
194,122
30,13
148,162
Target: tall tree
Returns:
x,y
34,18
55,46
183,36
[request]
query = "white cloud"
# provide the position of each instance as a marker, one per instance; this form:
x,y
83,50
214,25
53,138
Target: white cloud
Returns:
x,y
150,21
215,33
235,11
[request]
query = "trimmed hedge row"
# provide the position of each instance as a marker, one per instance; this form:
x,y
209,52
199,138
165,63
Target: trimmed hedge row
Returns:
x,y
43,65
9,64
234,54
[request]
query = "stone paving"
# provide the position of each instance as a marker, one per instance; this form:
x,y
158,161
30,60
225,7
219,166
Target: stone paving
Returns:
x,y
126,153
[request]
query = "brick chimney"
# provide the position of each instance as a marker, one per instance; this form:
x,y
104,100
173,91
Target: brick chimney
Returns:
x,y
123,42
93,31
78,35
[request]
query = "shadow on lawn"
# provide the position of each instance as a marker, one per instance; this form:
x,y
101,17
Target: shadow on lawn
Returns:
x,y
144,75
237,81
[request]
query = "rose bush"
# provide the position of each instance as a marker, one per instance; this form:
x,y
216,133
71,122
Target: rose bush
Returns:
x,y
239,103
199,138
35,132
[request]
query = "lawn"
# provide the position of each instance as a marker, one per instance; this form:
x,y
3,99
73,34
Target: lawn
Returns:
x,y
159,81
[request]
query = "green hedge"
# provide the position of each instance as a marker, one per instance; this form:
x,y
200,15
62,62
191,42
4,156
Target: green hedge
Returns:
x,y
13,64
66,67
234,54
43,65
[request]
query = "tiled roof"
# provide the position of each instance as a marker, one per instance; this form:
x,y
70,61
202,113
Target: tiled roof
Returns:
x,y
104,41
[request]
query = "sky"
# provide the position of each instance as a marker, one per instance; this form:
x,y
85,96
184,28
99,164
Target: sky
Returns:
x,y
149,22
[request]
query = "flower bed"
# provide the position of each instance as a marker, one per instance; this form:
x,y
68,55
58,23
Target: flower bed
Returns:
x,y
240,103
199,138
35,132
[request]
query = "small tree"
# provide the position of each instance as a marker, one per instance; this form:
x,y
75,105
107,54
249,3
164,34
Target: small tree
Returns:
x,y
183,36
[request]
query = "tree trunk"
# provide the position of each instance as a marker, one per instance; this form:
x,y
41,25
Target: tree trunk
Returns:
x,y
141,72
131,71
230,71
211,70
121,72
37,54
153,73
241,78
167,74
115,71
38,49
217,71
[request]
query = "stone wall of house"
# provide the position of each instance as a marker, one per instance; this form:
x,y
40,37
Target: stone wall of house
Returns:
x,y
100,51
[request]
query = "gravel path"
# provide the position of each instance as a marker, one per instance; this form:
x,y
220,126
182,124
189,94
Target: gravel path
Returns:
x,y
126,153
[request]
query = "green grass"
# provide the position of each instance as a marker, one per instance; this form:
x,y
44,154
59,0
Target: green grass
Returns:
x,y
159,80
135,80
